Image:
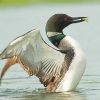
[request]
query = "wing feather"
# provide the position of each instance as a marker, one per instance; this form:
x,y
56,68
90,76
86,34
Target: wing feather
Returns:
x,y
43,60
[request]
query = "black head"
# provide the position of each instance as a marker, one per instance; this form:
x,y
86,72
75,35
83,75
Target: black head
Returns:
x,y
58,22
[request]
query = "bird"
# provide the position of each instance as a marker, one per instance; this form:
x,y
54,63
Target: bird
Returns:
x,y
59,65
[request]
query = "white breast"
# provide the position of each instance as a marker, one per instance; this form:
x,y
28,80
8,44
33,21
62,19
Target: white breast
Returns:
x,y
76,69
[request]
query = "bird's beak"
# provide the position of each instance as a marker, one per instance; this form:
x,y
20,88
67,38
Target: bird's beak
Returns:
x,y
79,19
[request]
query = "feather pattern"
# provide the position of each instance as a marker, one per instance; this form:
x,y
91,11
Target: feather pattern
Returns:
x,y
42,60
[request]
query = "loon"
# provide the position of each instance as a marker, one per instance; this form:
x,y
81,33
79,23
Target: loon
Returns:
x,y
59,65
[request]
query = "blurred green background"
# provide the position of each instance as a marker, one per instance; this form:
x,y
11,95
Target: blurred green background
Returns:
x,y
27,2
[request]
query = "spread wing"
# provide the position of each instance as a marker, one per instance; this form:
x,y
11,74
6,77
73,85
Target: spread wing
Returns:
x,y
44,61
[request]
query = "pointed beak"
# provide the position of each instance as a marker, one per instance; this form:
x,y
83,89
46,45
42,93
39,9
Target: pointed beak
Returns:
x,y
79,19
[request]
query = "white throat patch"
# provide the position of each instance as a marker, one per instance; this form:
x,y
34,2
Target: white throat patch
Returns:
x,y
49,34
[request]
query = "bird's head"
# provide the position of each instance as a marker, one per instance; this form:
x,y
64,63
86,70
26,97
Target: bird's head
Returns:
x,y
58,22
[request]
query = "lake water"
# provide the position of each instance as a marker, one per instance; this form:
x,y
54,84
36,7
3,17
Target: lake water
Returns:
x,y
15,21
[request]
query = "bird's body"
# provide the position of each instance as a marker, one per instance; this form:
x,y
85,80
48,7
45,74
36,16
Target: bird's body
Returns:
x,y
77,66
58,68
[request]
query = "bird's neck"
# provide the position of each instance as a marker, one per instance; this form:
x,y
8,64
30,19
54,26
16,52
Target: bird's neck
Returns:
x,y
55,37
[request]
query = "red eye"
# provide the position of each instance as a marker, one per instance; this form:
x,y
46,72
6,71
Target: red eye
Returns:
x,y
65,19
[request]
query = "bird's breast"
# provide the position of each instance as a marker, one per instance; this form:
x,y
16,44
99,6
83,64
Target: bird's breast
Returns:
x,y
76,68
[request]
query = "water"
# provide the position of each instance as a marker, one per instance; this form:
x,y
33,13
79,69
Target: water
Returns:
x,y
14,21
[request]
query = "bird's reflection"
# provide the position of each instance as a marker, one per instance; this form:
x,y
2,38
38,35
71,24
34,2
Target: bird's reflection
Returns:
x,y
43,95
